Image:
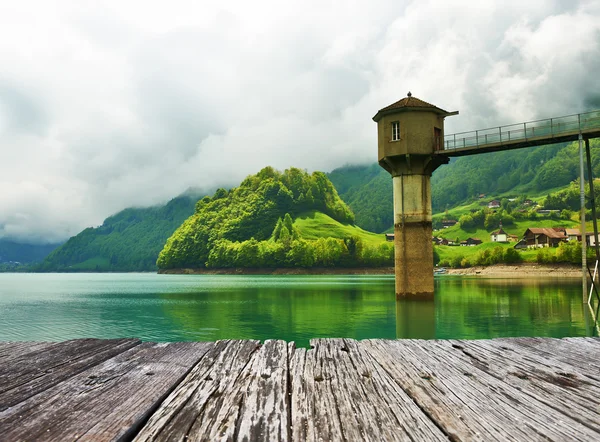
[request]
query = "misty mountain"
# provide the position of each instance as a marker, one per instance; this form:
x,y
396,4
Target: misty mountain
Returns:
x,y
15,251
127,241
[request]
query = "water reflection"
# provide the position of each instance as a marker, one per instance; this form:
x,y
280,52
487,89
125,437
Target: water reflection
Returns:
x,y
293,308
415,319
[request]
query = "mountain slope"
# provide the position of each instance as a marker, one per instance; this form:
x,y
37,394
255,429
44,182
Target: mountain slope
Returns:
x,y
127,241
368,190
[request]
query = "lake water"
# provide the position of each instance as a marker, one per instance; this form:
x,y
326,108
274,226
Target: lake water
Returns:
x,y
54,307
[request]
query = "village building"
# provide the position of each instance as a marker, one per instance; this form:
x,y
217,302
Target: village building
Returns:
x,y
471,242
499,235
389,237
448,223
573,234
544,237
494,204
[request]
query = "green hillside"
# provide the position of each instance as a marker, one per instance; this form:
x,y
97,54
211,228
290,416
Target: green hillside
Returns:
x,y
127,241
534,172
314,225
252,226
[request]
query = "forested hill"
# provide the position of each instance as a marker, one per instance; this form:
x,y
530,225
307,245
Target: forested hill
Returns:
x,y
368,189
233,223
127,241
368,192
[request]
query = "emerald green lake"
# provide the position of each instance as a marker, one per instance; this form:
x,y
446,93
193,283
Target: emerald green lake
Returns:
x,y
54,307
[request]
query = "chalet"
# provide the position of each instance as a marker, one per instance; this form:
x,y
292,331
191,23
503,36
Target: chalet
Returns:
x,y
448,223
471,242
389,237
494,204
499,236
573,234
544,237
513,238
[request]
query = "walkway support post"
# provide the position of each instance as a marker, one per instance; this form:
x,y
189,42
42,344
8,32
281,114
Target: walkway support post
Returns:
x,y
588,156
582,218
409,132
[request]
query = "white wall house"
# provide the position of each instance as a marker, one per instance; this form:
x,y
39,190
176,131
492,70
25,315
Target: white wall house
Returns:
x,y
499,236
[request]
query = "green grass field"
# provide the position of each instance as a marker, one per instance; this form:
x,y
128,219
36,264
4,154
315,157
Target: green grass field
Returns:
x,y
314,225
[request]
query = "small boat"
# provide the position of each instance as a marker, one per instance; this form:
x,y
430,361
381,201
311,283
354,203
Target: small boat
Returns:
x,y
439,271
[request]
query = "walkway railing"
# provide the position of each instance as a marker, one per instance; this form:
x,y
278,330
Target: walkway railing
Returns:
x,y
513,133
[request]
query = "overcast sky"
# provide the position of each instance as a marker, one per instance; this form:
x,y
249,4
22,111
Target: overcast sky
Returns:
x,y
107,105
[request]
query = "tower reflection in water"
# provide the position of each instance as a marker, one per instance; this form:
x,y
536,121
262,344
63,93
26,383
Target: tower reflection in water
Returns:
x,y
415,319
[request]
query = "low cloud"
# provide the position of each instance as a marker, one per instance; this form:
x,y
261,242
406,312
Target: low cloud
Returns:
x,y
130,103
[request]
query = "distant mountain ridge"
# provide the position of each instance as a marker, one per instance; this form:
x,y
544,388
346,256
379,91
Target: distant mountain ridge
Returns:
x,y
127,241
18,252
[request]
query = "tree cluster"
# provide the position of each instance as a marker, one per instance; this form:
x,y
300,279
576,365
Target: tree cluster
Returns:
x,y
486,257
232,227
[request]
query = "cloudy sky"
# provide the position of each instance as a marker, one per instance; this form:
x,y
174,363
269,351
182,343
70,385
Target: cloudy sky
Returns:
x,y
111,104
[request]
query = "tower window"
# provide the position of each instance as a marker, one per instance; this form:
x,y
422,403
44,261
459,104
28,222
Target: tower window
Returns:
x,y
395,130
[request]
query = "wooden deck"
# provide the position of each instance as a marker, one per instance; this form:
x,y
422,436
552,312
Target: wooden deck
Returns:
x,y
502,389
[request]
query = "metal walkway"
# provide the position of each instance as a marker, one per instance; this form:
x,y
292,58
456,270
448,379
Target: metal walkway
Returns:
x,y
528,134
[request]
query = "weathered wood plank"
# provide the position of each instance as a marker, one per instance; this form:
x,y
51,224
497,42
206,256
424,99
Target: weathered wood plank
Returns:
x,y
465,400
106,402
12,350
556,384
238,392
339,392
32,372
579,353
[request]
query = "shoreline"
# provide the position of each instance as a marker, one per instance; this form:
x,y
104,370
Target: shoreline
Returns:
x,y
282,271
521,270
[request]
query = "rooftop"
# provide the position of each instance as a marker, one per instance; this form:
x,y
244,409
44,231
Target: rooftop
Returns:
x,y
548,231
410,103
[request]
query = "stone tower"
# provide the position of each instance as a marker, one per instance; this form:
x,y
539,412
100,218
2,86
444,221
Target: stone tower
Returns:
x,y
409,134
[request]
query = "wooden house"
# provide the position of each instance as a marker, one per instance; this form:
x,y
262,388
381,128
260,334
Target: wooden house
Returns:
x,y
448,223
544,236
471,242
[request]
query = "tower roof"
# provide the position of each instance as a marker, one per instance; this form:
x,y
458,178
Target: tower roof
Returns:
x,y
410,103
